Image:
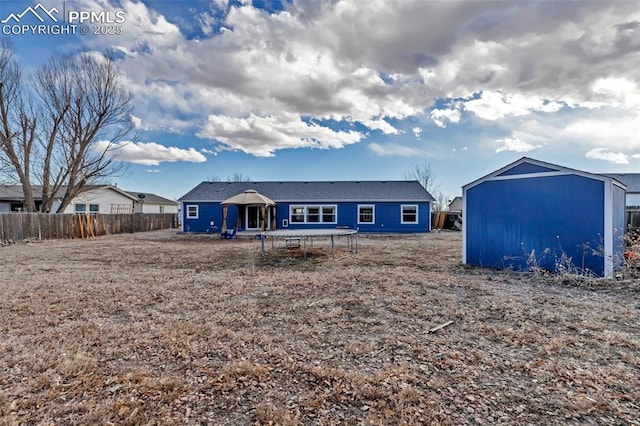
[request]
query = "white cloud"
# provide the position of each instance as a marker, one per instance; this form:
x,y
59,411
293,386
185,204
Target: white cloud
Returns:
x,y
137,123
381,125
497,105
209,151
515,145
617,91
394,149
369,61
143,28
149,153
263,135
606,155
441,116
417,132
615,129
153,170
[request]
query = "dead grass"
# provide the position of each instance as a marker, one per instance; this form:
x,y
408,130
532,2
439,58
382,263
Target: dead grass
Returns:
x,y
180,329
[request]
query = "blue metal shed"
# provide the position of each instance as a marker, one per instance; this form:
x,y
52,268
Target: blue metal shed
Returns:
x,y
535,214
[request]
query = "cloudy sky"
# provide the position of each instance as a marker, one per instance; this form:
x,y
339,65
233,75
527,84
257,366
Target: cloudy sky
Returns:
x,y
360,89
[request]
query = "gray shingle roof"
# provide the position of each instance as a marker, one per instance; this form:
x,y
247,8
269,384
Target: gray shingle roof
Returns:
x,y
14,192
151,198
631,180
313,191
11,192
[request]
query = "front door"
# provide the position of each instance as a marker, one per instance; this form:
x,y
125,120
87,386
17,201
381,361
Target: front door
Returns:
x,y
253,217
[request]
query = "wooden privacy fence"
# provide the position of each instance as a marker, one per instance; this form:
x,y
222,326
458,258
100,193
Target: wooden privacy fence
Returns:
x,y
22,226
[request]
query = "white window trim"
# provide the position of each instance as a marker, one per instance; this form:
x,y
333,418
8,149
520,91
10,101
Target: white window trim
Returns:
x,y
304,208
402,221
306,213
373,208
75,208
335,213
318,214
197,215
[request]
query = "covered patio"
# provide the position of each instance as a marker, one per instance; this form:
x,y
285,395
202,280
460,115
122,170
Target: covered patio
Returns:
x,y
256,213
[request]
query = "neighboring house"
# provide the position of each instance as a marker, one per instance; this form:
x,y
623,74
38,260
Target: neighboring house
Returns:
x,y
104,199
369,206
12,199
455,206
151,203
632,181
532,214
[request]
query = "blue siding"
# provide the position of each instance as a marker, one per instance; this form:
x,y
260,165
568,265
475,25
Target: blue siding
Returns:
x,y
508,219
526,168
207,213
387,217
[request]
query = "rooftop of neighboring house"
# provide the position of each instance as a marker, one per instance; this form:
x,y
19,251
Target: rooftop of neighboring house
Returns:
x,y
631,180
14,193
313,191
456,203
151,198
11,192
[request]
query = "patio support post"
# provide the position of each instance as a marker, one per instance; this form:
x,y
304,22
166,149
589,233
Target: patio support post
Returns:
x,y
224,219
273,218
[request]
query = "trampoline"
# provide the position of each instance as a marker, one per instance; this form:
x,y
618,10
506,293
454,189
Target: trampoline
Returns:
x,y
300,236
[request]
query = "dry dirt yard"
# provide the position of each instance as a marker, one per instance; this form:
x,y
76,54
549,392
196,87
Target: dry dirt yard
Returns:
x,y
161,328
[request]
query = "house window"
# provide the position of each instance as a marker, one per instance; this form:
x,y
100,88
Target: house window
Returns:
x,y
161,209
94,208
81,208
312,214
297,214
366,214
17,207
329,214
409,213
633,220
192,212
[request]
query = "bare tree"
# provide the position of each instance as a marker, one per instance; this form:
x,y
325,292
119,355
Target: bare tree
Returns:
x,y
17,127
428,178
88,112
64,133
442,201
238,177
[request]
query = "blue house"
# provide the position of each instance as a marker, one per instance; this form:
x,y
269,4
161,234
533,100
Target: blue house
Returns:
x,y
536,214
368,206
